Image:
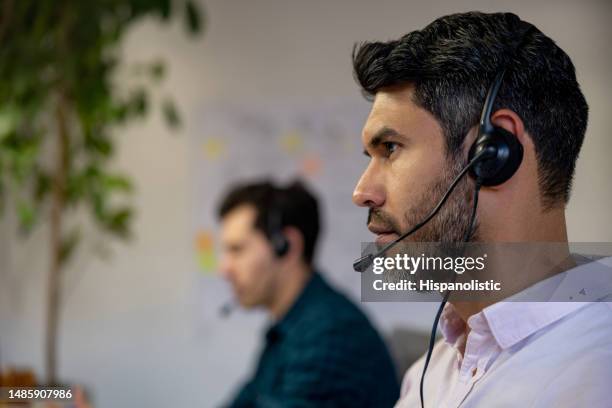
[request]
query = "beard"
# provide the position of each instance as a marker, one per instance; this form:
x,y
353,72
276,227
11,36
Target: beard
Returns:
x,y
449,226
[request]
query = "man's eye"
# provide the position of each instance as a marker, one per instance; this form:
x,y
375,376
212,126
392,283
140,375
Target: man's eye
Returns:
x,y
234,249
390,147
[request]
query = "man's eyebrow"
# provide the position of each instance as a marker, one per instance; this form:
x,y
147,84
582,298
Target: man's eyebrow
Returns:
x,y
381,136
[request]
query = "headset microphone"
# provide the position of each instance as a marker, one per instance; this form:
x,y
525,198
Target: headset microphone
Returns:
x,y
227,309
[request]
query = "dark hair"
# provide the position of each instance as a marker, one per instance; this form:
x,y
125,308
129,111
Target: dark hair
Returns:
x,y
452,62
293,206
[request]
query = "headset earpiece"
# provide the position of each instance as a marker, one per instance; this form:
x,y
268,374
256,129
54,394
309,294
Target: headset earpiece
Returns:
x,y
505,158
505,151
280,244
278,240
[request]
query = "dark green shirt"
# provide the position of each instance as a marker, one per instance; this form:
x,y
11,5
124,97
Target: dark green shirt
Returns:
x,y
323,353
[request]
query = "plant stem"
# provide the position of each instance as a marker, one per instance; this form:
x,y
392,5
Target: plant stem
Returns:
x,y
57,209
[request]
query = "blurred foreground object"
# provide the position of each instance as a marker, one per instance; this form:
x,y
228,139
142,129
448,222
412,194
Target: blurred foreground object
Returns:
x,y
13,377
17,378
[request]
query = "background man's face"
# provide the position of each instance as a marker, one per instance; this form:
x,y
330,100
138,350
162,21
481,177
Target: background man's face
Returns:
x,y
248,262
408,172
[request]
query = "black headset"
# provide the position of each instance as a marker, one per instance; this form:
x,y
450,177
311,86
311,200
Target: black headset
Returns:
x,y
505,153
278,240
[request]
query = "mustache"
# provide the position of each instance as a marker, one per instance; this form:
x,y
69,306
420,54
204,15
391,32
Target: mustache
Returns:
x,y
383,220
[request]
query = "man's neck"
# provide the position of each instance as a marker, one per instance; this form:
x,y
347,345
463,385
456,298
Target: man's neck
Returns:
x,y
290,288
550,227
465,309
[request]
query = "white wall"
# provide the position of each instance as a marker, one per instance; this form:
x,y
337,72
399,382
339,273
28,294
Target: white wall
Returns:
x,y
131,331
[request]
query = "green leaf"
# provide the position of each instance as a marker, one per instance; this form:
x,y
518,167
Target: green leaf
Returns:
x,y
9,118
158,70
98,145
118,222
76,187
171,114
117,183
165,9
139,102
68,246
98,206
26,215
192,17
42,186
23,155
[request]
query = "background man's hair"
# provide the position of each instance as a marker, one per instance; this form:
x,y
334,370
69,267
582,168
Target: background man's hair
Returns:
x,y
452,62
294,204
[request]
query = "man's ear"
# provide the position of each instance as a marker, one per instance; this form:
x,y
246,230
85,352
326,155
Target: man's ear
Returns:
x,y
510,121
296,243
504,118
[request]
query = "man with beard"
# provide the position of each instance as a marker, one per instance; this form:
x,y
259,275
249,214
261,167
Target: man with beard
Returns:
x,y
428,90
320,349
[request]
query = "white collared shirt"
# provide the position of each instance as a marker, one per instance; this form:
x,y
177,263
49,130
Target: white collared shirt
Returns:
x,y
524,353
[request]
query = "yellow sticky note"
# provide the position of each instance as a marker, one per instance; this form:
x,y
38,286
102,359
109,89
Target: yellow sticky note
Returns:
x,y
214,148
205,250
292,142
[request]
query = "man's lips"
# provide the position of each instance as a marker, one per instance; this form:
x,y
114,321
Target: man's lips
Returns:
x,y
386,237
383,236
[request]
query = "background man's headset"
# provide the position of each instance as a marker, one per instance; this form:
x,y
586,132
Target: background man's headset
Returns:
x,y
493,158
278,240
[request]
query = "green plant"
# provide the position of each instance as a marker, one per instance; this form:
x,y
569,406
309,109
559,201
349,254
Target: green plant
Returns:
x,y
59,113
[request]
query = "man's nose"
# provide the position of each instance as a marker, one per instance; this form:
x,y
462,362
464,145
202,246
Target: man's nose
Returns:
x,y
368,192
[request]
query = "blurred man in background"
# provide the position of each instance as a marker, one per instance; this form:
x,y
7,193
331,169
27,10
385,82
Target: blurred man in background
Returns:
x,y
320,350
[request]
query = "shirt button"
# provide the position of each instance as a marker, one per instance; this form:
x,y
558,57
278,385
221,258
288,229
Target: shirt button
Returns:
x,y
474,371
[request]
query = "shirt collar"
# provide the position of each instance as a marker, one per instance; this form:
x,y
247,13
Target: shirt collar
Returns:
x,y
512,320
308,295
507,322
